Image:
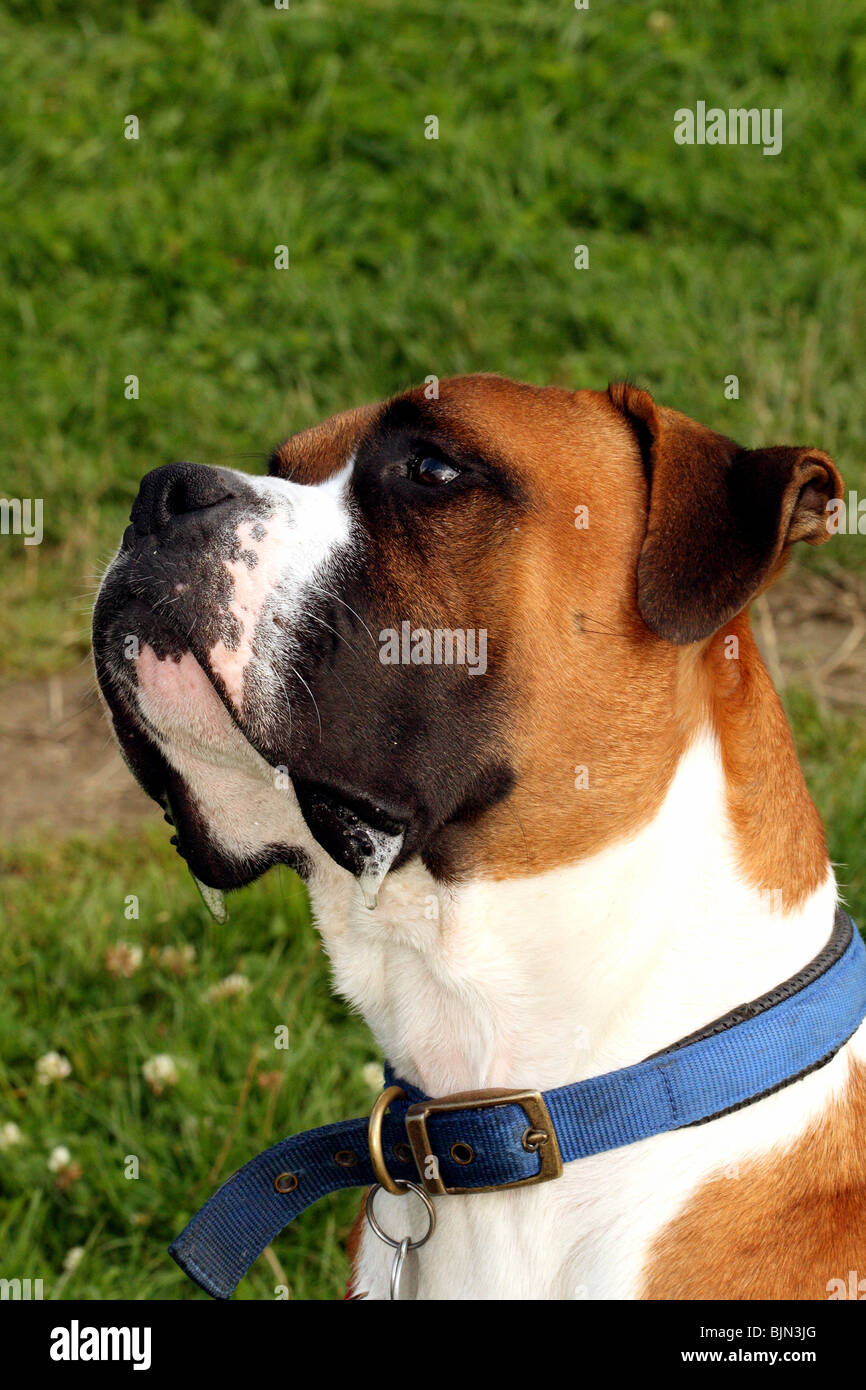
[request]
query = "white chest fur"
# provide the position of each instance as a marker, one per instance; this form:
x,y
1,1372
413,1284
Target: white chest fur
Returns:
x,y
544,980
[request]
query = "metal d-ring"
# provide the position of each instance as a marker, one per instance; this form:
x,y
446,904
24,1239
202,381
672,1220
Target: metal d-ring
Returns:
x,y
374,1142
389,1240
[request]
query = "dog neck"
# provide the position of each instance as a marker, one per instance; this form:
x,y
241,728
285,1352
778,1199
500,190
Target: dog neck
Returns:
x,y
546,978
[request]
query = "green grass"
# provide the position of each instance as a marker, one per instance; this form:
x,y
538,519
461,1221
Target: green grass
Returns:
x,y
64,907
306,128
408,256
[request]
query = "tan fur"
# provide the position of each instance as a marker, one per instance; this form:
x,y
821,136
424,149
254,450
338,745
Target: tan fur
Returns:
x,y
353,1247
785,1227
779,835
592,687
316,453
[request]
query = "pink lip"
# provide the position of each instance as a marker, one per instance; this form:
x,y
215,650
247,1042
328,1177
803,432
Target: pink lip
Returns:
x,y
178,694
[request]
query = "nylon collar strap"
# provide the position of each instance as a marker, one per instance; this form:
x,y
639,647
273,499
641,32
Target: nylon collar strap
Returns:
x,y
758,1048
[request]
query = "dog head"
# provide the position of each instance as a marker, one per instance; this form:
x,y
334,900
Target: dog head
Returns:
x,y
405,639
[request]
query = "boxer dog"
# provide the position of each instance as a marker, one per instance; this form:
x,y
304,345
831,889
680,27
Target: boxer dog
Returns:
x,y
535,872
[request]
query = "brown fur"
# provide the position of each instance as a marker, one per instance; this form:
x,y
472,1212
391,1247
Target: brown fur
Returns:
x,y
777,829
784,1227
592,684
312,455
353,1250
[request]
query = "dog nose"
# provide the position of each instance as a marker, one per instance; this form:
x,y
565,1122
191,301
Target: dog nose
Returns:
x,y
175,490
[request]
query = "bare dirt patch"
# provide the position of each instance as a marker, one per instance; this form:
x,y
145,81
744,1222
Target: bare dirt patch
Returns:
x,y
60,766
811,629
61,769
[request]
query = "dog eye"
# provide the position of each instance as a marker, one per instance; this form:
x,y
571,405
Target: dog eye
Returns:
x,y
431,472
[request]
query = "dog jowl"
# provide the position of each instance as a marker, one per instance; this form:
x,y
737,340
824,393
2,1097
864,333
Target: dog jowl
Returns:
x,y
238,631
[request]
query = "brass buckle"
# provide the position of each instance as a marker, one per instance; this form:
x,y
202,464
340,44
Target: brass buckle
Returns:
x,y
539,1136
374,1141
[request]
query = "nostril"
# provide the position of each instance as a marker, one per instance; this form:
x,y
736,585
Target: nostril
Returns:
x,y
182,498
177,490
176,501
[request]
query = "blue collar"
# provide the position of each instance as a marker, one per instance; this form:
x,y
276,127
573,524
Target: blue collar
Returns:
x,y
489,1140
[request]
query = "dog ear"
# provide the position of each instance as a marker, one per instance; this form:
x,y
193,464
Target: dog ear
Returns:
x,y
721,519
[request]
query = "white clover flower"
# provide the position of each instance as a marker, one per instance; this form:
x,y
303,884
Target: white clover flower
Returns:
x,y
10,1135
123,959
659,22
73,1259
160,1071
372,1074
178,959
231,985
59,1158
52,1067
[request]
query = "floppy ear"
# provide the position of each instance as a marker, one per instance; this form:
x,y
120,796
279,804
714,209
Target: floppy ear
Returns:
x,y
721,518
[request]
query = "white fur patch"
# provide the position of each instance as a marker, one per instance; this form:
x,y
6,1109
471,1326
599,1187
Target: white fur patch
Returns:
x,y
298,543
542,981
